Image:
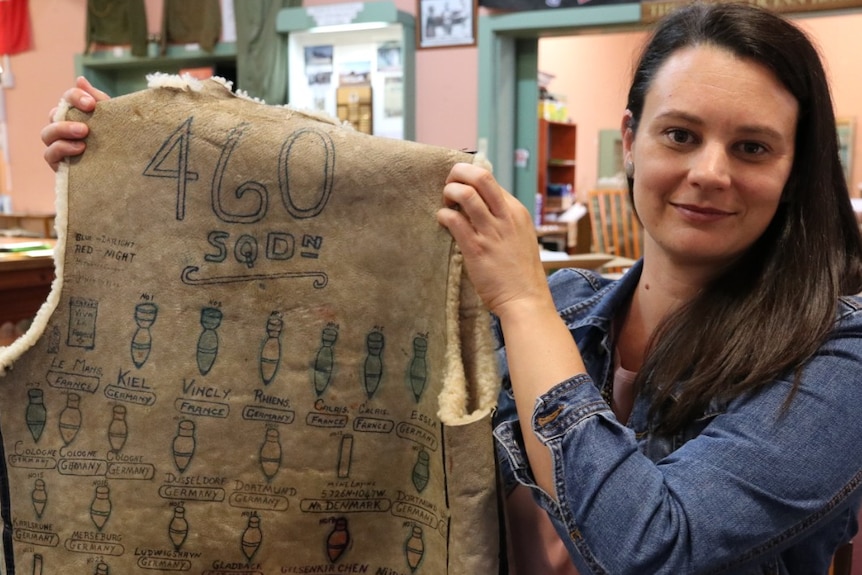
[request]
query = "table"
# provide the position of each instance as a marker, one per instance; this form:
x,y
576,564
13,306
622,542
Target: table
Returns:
x,y
25,282
572,237
555,260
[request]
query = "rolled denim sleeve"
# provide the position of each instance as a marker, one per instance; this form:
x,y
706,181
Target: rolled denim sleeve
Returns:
x,y
559,402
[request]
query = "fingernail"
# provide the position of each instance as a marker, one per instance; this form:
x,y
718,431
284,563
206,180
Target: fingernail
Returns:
x,y
87,100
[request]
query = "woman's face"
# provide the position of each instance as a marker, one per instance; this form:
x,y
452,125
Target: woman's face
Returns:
x,y
713,150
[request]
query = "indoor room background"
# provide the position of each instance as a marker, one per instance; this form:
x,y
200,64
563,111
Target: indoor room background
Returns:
x,y
591,71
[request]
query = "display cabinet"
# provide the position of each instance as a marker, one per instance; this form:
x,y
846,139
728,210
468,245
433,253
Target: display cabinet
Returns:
x,y
355,61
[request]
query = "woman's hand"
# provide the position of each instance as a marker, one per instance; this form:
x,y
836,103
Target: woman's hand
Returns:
x,y
64,138
497,236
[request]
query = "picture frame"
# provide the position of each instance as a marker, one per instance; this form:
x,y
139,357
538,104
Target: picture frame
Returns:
x,y
446,23
846,135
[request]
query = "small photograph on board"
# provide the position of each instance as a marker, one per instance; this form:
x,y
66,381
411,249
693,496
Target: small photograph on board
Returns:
x,y
318,55
393,97
389,57
318,65
354,73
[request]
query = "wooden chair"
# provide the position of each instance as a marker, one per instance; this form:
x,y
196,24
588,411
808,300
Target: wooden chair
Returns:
x,y
616,229
842,561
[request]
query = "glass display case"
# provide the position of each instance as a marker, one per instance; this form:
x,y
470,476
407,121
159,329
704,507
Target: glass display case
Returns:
x,y
354,62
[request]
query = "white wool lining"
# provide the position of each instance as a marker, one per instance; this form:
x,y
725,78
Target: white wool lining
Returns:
x,y
471,382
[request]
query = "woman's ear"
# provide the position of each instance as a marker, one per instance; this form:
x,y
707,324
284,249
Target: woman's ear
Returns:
x,y
628,136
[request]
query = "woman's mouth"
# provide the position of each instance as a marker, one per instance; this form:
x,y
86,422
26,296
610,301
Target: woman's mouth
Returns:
x,y
697,213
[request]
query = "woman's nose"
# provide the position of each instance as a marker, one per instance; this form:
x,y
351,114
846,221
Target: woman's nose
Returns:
x,y
710,167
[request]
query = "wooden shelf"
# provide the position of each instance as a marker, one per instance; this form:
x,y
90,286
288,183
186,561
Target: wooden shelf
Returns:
x,y
117,72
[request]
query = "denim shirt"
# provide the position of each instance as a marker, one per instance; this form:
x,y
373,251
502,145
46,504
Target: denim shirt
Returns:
x,y
745,489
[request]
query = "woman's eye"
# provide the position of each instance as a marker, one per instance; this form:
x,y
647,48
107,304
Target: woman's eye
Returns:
x,y
752,148
679,136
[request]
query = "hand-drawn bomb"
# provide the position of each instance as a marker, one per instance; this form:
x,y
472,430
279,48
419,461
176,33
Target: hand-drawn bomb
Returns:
x,y
338,540
100,508
183,446
70,418
142,341
418,371
36,414
178,529
39,496
118,430
208,340
270,454
414,548
252,537
373,362
421,471
324,361
270,349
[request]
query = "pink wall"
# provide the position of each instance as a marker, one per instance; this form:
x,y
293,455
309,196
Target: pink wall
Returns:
x,y
446,87
836,36
446,90
596,87
446,93
41,76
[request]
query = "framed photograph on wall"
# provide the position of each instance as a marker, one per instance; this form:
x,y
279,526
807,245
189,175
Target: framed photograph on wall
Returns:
x,y
846,135
446,23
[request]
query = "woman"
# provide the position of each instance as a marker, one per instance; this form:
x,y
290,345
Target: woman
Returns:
x,y
700,415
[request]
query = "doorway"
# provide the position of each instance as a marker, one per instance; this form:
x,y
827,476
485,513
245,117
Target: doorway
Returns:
x,y
508,72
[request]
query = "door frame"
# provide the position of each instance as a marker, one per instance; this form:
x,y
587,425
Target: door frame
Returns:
x,y
508,46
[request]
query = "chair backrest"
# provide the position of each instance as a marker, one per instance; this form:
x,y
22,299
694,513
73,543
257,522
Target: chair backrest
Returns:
x,y
616,229
842,561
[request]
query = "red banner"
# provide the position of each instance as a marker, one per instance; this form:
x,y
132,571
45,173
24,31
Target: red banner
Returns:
x,y
14,26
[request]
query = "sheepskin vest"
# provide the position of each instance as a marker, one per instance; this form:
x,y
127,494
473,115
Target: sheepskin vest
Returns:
x,y
261,355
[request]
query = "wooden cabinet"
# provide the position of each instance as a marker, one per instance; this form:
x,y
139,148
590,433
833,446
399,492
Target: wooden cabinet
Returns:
x,y
556,166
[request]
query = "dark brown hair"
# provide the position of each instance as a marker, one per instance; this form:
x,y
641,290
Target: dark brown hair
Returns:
x,y
771,310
